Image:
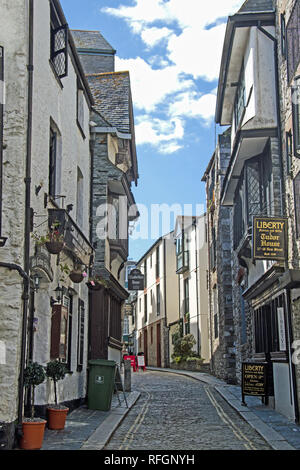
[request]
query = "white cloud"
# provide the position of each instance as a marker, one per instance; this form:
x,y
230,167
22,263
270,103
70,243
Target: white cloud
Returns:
x,y
152,36
164,135
150,87
192,35
194,105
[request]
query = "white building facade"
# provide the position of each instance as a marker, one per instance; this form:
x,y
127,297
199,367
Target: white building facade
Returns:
x,y
45,181
192,272
157,305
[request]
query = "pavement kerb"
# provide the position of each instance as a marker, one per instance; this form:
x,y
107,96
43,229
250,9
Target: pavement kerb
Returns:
x,y
272,437
103,433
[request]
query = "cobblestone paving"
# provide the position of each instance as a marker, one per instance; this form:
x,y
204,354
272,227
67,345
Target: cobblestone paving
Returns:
x,y
178,413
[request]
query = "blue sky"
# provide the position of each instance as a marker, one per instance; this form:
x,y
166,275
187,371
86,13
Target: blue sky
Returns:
x,y
172,49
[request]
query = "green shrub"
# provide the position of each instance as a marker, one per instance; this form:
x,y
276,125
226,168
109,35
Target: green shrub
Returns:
x,y
34,375
183,345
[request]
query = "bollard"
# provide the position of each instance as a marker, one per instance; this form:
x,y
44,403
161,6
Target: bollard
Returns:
x,y
127,375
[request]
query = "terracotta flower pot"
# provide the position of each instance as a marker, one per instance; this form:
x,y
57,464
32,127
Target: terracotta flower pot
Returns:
x,y
54,247
57,417
33,434
76,277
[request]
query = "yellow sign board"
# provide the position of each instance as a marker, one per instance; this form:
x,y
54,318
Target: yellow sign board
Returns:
x,y
270,238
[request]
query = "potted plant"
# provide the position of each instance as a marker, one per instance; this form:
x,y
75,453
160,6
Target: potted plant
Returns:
x,y
53,239
77,274
33,428
96,282
57,414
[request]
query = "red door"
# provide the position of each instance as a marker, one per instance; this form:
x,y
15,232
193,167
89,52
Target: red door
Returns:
x,y
158,345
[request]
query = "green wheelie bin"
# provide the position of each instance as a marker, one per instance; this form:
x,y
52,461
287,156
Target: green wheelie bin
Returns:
x,y
101,384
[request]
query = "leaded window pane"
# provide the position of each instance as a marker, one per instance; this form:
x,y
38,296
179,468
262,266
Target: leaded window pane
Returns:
x,y
293,43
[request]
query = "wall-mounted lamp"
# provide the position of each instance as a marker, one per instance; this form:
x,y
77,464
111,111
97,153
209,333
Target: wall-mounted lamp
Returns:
x,y
58,291
36,282
2,241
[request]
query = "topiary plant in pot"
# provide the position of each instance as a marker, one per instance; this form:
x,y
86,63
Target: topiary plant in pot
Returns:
x,y
33,428
57,414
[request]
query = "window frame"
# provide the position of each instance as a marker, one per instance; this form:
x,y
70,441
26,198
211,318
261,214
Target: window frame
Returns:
x,y
292,38
158,299
240,98
296,115
80,115
81,335
56,28
283,35
145,308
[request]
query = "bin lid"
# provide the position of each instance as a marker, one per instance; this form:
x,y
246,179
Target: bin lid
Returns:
x,y
102,362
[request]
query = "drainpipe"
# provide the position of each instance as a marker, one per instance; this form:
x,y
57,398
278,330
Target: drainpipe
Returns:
x,y
26,282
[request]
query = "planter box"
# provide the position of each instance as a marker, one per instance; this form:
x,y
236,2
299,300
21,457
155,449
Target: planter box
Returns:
x,y
192,366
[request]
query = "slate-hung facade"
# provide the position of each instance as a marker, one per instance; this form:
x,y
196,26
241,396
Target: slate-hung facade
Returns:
x,y
45,181
114,170
248,101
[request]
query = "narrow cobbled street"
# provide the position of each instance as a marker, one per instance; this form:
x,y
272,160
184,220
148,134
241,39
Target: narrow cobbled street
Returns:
x,y
179,413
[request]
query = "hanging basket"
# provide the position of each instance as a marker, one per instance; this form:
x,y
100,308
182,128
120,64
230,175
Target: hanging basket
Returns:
x,y
96,286
76,276
54,247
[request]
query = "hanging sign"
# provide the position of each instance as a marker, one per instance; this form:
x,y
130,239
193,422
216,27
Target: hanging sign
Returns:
x,y
254,379
270,238
135,280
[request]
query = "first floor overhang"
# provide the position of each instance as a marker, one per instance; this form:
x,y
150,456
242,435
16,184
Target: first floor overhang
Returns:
x,y
274,281
248,144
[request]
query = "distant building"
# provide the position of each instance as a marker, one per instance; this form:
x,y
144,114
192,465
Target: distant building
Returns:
x,y
157,305
192,271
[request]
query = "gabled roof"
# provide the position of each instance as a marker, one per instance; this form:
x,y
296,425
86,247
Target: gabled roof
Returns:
x,y
112,97
252,13
256,6
91,40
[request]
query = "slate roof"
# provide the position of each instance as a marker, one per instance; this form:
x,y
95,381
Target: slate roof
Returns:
x,y
112,97
251,6
91,40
